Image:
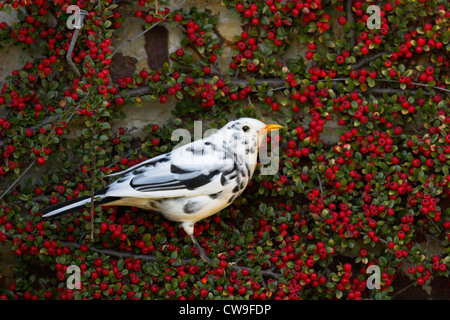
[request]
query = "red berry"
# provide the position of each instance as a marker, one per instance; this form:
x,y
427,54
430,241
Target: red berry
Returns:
x,y
204,293
163,99
398,130
363,252
143,74
156,141
342,20
340,59
416,163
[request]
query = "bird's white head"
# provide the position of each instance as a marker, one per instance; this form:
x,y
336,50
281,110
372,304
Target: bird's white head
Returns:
x,y
244,136
245,129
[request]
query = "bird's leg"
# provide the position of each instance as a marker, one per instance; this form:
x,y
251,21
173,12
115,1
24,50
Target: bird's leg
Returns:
x,y
189,229
200,249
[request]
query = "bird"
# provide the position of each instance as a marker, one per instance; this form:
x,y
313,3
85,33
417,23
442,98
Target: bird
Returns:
x,y
187,184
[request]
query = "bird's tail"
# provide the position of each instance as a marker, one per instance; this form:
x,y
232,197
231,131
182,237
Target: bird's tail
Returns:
x,y
76,204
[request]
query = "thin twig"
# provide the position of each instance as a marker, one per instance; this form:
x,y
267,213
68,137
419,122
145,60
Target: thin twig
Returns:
x,y
153,258
146,30
350,20
269,273
72,44
114,253
366,60
416,84
434,224
320,183
18,179
405,288
278,84
91,211
140,91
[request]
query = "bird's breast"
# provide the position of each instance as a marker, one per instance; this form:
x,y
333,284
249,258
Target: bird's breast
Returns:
x,y
194,208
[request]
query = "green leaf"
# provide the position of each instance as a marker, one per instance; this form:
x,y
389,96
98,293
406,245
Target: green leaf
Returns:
x,y
53,85
52,95
346,28
105,125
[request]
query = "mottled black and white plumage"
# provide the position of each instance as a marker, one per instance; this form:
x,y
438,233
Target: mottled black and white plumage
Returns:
x,y
189,183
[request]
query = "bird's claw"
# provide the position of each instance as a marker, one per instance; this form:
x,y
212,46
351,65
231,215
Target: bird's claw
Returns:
x,y
205,259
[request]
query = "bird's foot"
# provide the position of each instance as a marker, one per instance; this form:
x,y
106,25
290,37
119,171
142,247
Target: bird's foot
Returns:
x,y
204,258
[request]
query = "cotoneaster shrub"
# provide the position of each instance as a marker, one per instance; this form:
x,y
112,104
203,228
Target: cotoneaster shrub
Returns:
x,y
378,196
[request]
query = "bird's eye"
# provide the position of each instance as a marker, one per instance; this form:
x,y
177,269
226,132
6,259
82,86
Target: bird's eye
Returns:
x,y
245,128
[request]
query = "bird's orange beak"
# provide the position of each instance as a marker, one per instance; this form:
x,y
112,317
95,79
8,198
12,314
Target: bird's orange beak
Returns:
x,y
271,127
